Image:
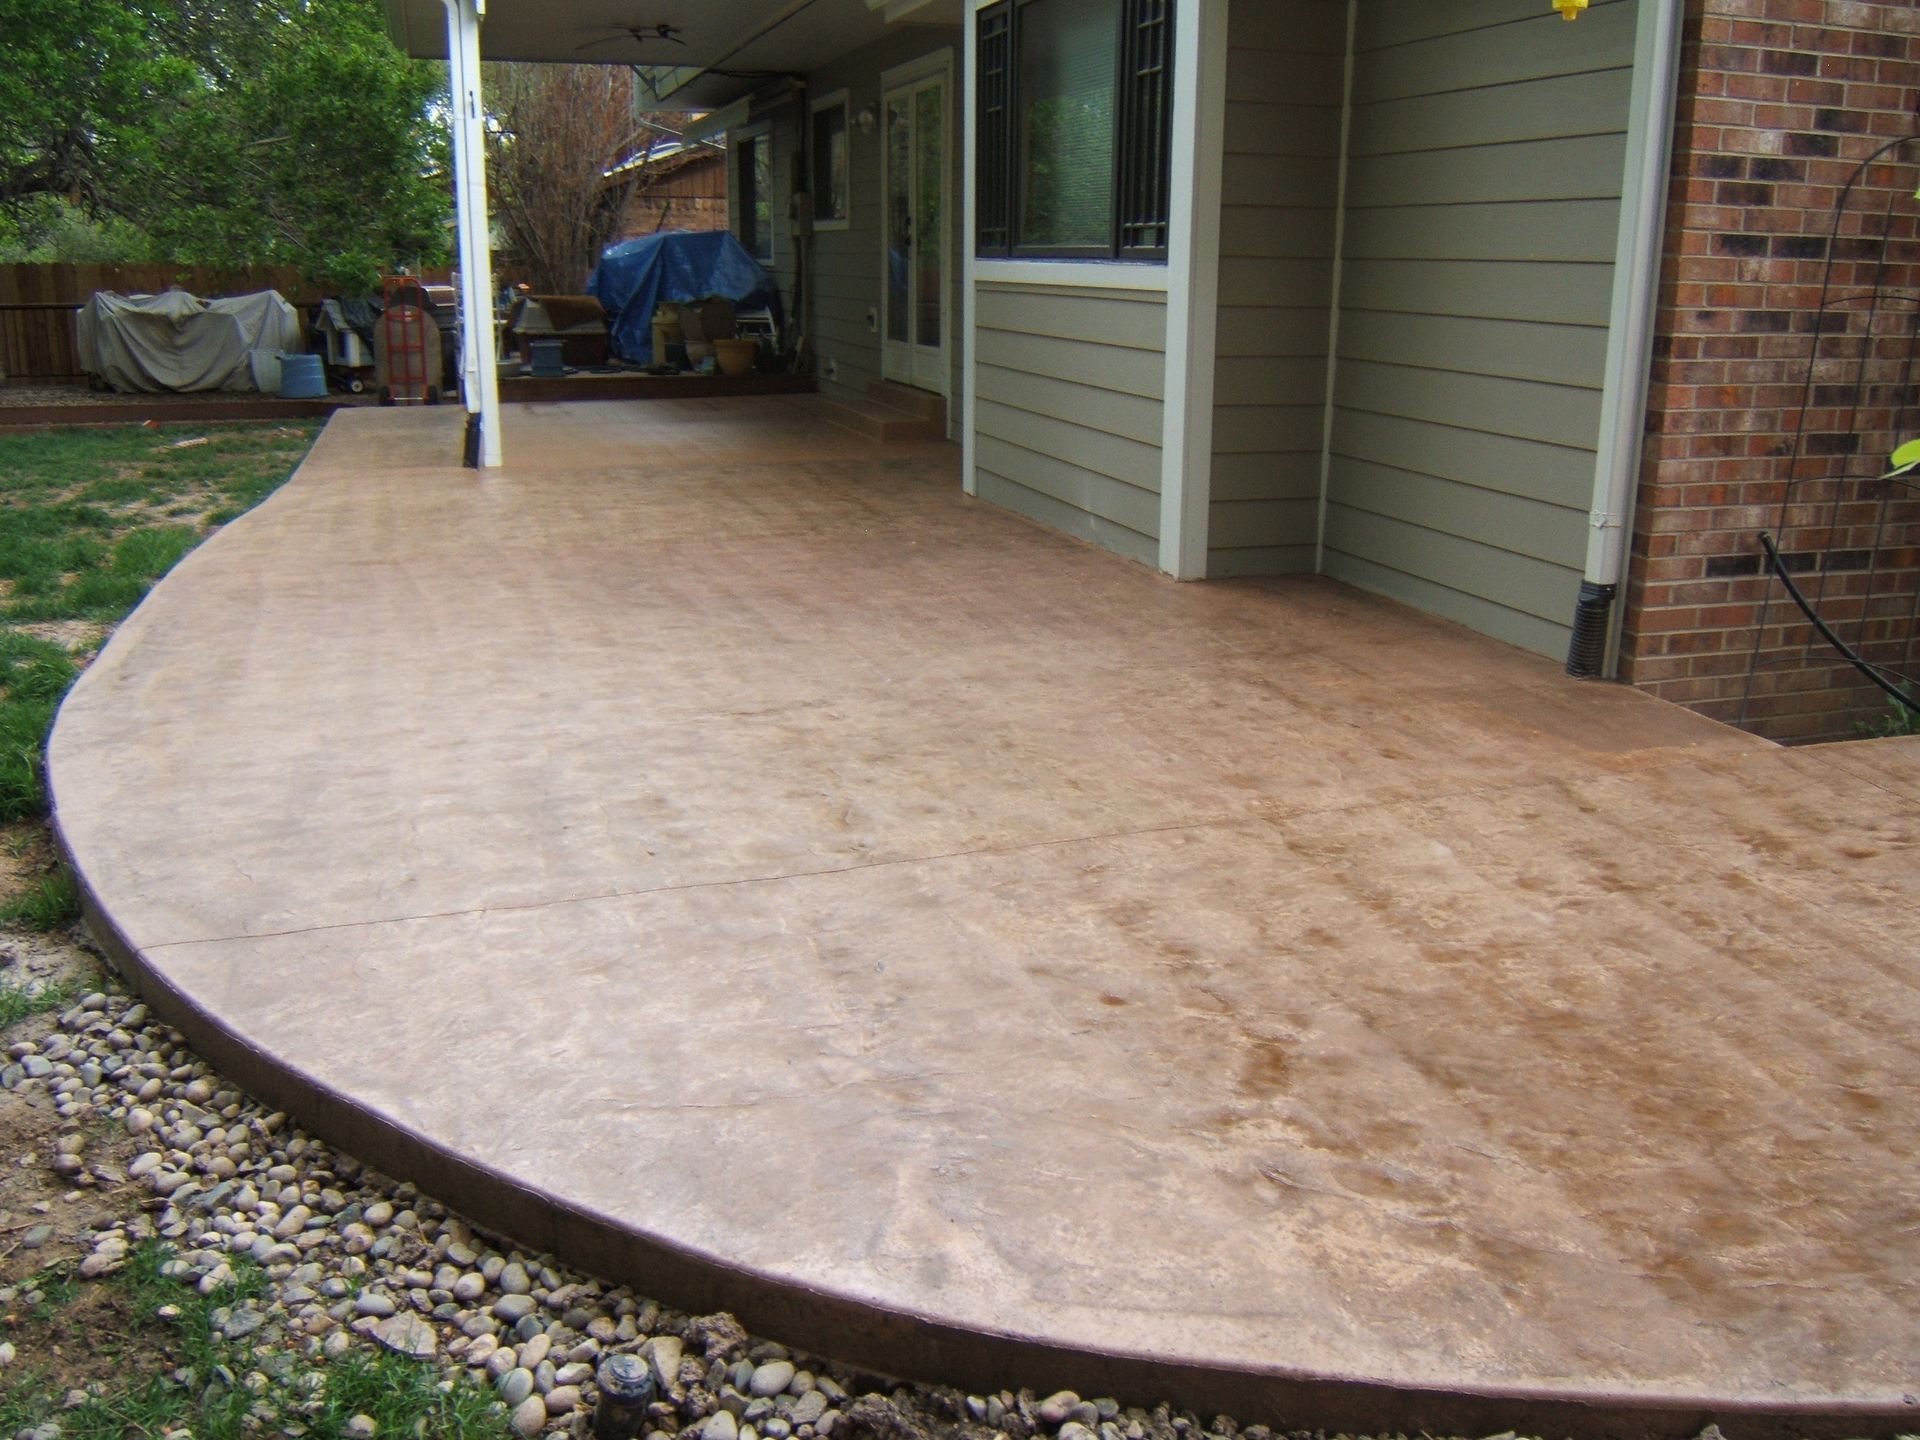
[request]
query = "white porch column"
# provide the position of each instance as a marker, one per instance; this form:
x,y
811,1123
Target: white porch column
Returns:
x,y
471,224
1193,285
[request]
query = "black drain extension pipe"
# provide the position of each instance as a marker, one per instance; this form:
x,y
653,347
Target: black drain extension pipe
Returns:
x,y
1853,657
470,449
1588,651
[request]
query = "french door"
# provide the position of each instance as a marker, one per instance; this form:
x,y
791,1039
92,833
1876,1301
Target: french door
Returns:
x,y
914,319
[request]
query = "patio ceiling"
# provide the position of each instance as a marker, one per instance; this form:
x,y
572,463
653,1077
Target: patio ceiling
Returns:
x,y
723,46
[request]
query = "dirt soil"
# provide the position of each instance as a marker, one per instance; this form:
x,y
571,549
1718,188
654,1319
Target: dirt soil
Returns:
x,y
76,1334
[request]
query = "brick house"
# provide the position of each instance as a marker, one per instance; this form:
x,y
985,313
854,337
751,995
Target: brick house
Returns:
x,y
1780,102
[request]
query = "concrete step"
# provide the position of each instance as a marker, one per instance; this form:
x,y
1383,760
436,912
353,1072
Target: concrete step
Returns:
x,y
882,423
924,403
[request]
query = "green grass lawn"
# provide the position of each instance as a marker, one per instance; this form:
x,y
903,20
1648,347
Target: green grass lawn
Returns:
x,y
90,518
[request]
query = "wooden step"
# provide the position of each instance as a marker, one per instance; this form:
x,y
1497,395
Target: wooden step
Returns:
x,y
923,403
881,422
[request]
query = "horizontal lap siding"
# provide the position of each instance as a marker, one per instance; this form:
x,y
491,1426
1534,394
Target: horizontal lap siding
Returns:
x,y
1281,190
1068,401
1483,188
848,265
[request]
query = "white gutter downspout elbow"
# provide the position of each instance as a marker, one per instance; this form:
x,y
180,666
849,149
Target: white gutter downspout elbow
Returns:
x,y
1636,279
479,370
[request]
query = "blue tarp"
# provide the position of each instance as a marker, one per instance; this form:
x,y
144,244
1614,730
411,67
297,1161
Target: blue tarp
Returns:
x,y
635,276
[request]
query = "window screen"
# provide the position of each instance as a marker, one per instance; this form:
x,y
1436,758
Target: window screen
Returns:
x,y
1069,53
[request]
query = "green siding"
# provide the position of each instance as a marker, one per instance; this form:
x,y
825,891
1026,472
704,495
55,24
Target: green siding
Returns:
x,y
1068,409
1483,184
1280,189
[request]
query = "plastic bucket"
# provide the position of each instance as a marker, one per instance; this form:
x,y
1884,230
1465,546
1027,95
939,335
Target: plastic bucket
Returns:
x,y
302,377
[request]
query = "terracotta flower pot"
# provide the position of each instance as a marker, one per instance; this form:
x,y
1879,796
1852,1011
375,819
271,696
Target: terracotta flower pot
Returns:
x,y
736,356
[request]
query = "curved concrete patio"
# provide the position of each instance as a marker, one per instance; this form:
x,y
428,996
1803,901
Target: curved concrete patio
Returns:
x,y
717,851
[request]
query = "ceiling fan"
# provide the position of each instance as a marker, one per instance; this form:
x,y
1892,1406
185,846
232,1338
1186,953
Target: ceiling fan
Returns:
x,y
639,34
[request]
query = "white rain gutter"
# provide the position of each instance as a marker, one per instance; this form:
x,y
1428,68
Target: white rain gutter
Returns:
x,y
475,233
1636,279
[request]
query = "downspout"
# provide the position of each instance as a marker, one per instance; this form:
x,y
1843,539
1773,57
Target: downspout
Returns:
x,y
1593,651
478,367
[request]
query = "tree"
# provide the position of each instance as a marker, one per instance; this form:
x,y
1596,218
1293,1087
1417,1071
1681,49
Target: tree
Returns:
x,y
232,134
557,131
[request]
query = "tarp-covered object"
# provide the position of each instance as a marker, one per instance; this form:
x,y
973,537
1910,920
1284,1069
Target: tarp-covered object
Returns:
x,y
177,342
675,266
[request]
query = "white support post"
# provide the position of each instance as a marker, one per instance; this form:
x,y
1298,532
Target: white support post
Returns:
x,y
967,99
472,226
1193,285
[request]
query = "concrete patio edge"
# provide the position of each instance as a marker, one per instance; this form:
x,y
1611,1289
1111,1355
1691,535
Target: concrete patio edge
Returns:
x,y
922,1348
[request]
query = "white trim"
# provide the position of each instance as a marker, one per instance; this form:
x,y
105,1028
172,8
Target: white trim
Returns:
x,y
1193,289
475,232
969,262
758,130
842,99
1075,274
935,65
1338,281
934,62
1636,279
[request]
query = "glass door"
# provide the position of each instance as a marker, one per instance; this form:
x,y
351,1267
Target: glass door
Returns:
x,y
915,322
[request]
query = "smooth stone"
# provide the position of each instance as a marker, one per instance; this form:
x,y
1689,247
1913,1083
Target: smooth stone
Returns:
x,y
468,1288
809,1408
374,1303
720,1426
1056,1407
515,1386
407,1335
535,1350
771,1379
514,1281
511,1309
563,1398
530,1416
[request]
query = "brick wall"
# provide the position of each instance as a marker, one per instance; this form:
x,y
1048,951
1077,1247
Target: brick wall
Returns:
x,y
1752,417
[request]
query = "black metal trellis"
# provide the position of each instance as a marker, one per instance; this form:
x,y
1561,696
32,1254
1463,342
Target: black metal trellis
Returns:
x,y
1840,604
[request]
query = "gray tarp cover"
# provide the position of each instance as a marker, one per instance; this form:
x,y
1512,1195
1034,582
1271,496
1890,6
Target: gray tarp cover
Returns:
x,y
177,342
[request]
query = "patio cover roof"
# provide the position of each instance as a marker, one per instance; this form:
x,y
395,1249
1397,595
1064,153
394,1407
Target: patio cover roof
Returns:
x,y
727,46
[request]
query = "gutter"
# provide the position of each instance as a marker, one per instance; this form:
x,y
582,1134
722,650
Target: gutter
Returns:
x,y
1636,278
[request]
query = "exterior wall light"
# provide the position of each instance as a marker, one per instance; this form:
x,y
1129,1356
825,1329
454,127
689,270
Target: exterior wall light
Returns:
x,y
1569,9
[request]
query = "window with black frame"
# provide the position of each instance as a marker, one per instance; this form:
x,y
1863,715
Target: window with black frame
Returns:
x,y
1075,136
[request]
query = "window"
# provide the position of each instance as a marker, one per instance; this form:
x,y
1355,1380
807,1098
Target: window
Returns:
x,y
753,164
829,166
1074,112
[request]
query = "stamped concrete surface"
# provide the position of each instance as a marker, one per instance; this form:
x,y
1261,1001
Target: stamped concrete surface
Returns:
x,y
717,848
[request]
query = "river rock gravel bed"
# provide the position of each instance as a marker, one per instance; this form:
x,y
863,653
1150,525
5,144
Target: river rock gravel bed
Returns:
x,y
353,1258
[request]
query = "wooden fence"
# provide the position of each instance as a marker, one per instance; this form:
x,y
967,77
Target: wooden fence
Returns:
x,y
38,304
